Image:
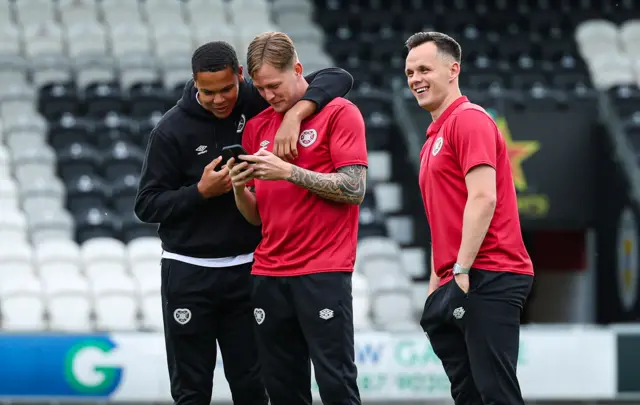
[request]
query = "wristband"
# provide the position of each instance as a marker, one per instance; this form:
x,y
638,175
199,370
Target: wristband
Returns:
x,y
457,269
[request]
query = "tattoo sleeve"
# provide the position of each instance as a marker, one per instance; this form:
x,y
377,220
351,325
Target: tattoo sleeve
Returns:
x,y
346,186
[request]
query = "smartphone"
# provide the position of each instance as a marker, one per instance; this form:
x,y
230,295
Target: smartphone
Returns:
x,y
233,151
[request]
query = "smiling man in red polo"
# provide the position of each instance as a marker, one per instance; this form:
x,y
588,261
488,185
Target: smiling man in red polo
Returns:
x,y
481,273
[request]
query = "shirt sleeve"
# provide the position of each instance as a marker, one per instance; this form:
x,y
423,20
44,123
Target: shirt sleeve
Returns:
x,y
248,142
327,84
474,139
161,196
347,140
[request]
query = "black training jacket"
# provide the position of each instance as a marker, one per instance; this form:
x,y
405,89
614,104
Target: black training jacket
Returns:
x,y
186,139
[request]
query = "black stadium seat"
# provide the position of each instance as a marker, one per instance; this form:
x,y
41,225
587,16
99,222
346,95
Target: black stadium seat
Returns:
x,y
112,129
78,159
96,223
87,192
626,98
68,129
58,99
123,193
146,99
101,99
131,227
121,159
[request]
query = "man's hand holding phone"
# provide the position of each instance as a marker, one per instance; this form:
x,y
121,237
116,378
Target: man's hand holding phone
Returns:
x,y
214,183
240,174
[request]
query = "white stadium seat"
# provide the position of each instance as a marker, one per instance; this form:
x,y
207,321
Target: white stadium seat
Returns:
x,y
13,225
147,250
103,256
16,259
58,258
150,301
69,304
21,303
115,298
361,302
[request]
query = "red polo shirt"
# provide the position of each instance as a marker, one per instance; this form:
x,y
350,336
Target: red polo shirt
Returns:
x,y
463,137
303,233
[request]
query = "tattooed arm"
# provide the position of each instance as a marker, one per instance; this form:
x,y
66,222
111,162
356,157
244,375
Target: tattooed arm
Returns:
x,y
346,186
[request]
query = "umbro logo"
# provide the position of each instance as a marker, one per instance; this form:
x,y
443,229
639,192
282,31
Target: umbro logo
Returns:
x,y
202,149
264,144
458,313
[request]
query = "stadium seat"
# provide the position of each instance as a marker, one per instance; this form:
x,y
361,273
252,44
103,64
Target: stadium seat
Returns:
x,y
133,228
123,193
9,199
115,298
21,305
58,99
76,159
58,258
33,163
144,251
69,304
376,247
392,308
371,219
121,159
86,39
379,166
361,302
150,301
102,256
87,192
16,259
45,190
388,197
142,269
414,261
110,130
13,226
96,223
51,223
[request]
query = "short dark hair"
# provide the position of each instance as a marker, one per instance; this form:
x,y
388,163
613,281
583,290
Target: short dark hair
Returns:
x,y
214,57
443,42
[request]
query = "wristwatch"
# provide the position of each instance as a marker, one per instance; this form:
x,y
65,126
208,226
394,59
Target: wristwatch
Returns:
x,y
457,269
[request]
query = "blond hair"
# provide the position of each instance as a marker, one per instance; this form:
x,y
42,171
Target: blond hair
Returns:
x,y
272,48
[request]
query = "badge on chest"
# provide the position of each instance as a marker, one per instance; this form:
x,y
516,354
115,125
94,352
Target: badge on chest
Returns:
x,y
308,137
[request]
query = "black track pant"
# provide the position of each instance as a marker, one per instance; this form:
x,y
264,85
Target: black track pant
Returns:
x,y
202,305
477,336
306,318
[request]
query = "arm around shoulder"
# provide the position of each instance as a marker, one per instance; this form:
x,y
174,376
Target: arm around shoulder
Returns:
x,y
327,84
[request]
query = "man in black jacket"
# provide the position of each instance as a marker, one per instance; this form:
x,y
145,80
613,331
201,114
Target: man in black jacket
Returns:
x,y
207,244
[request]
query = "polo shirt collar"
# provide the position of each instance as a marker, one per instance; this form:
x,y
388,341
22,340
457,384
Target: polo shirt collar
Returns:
x,y
437,124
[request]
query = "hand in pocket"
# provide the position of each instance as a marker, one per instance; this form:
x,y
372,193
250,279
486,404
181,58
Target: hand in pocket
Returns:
x,y
463,282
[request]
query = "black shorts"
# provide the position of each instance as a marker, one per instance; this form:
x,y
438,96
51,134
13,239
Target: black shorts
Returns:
x,y
202,305
306,318
477,335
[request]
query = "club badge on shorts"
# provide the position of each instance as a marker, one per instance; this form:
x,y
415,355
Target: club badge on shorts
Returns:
x,y
182,315
259,314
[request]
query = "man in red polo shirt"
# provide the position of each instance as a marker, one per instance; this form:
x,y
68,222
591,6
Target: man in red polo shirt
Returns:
x,y
309,215
481,273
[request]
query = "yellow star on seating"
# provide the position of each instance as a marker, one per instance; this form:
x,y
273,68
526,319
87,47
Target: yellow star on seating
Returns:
x,y
518,152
